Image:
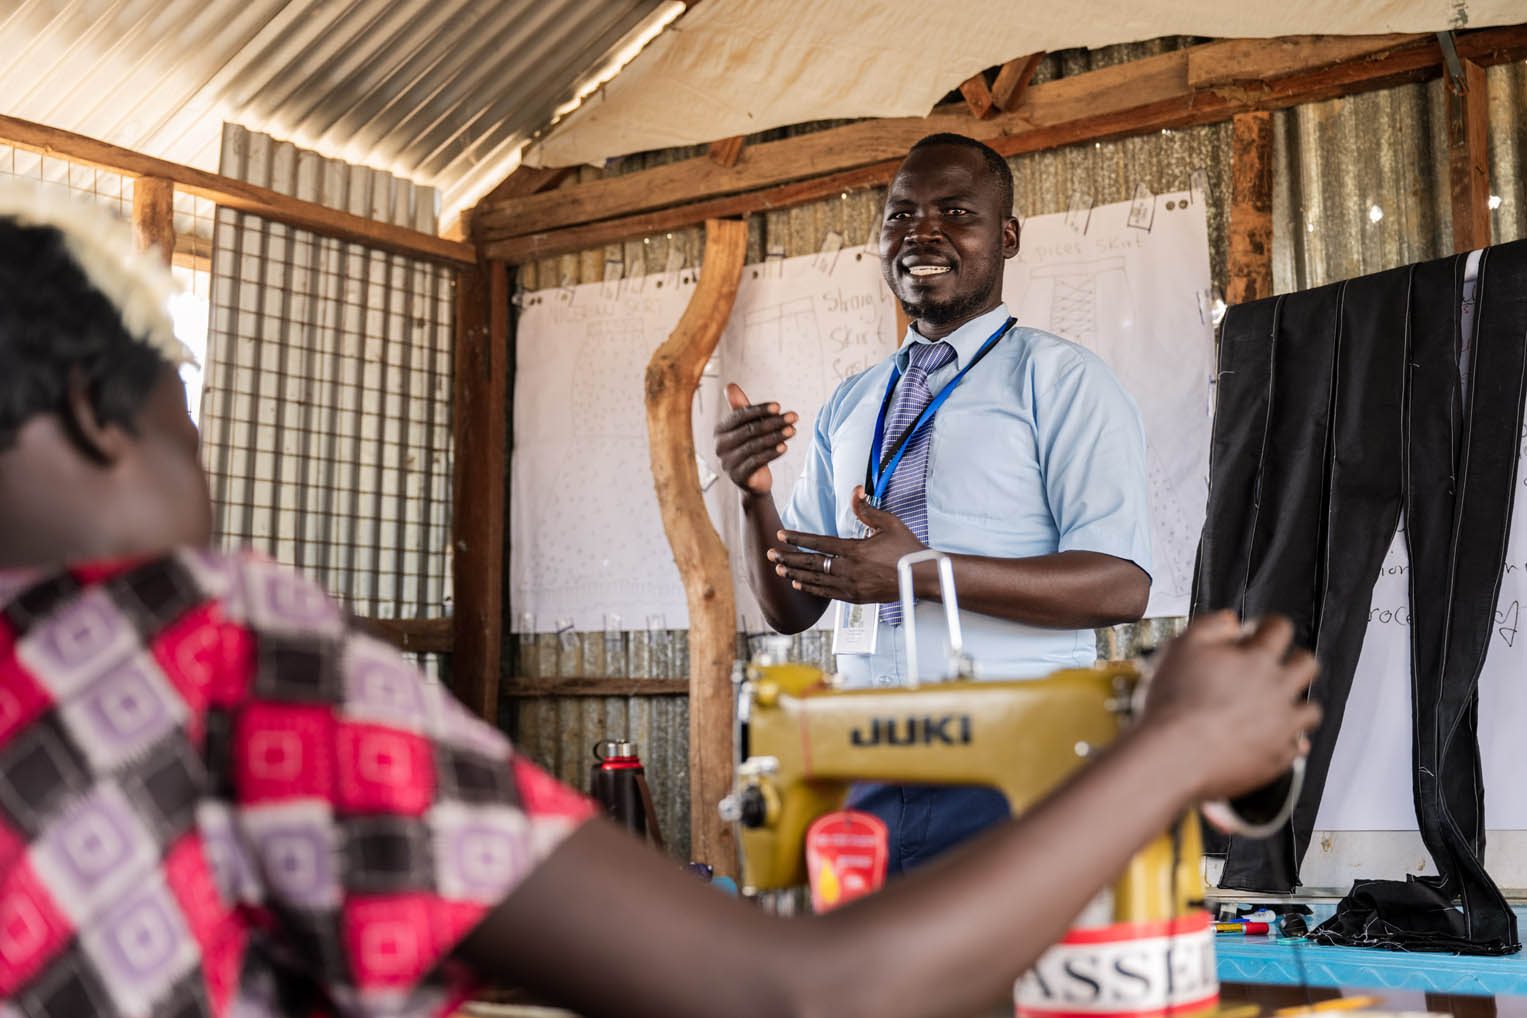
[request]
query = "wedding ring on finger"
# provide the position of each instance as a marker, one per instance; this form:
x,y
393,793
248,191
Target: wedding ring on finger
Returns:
x,y
827,564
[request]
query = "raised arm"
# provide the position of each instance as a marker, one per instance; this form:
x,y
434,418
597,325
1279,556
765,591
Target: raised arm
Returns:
x,y
607,927
747,441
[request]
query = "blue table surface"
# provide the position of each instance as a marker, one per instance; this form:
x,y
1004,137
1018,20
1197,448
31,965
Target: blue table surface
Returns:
x,y
1299,963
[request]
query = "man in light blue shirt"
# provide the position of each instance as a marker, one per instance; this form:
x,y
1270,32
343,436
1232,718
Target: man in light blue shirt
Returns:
x,y
1024,460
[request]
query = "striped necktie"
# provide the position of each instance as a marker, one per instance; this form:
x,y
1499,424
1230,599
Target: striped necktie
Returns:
x,y
906,495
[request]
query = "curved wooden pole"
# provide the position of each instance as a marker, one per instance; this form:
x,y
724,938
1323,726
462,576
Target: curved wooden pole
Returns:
x,y
673,375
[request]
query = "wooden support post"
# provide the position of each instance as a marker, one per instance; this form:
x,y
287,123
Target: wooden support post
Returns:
x,y
1013,81
1250,259
673,375
728,151
1468,149
154,215
480,425
1253,66
978,96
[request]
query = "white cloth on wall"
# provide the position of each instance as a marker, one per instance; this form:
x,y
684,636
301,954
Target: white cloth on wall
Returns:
x,y
587,544
1137,296
741,66
588,549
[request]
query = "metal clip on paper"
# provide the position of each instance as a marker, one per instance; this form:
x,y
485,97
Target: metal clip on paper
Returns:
x,y
959,663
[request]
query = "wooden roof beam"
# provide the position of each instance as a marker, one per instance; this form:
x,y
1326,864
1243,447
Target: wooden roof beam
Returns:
x,y
234,194
827,152
527,180
1013,81
1005,93
1131,98
521,181
1253,62
978,96
728,151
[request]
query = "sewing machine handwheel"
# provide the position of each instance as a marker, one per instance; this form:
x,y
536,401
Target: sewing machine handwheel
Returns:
x,y
1261,812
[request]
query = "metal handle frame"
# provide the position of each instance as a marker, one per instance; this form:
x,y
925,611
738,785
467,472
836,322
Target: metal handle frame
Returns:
x,y
959,664
1220,812
1223,815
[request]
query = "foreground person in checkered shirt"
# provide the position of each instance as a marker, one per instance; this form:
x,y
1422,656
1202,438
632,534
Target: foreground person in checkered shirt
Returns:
x,y
216,797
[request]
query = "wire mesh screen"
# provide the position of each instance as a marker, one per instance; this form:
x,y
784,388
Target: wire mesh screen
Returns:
x,y
324,384
326,415
193,215
328,412
110,189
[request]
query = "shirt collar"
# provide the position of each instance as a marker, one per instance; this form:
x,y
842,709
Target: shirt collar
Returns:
x,y
966,340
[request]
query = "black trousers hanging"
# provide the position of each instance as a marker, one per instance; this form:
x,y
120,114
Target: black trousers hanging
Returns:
x,y
1338,408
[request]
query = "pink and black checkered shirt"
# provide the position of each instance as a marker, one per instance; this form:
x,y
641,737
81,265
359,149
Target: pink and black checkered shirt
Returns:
x,y
219,798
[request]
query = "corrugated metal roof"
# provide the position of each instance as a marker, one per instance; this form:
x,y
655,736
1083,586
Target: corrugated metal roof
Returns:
x,y
432,90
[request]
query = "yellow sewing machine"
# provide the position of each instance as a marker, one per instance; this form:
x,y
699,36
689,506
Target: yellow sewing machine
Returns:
x,y
807,742
802,742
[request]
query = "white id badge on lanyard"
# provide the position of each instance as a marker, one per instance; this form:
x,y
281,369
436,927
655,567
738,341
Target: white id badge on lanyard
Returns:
x,y
856,628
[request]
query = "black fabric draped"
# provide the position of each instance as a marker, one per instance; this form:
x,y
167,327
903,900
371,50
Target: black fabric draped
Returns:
x,y
1337,409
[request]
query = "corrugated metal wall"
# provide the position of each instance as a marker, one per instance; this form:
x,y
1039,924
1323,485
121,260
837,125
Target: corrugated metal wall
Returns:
x,y
326,418
1335,163
1508,150
1361,183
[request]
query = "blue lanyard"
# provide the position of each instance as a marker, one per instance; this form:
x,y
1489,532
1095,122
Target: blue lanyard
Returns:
x,y
877,481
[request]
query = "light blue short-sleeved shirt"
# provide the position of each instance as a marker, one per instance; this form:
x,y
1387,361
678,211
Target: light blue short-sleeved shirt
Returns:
x,y
1039,450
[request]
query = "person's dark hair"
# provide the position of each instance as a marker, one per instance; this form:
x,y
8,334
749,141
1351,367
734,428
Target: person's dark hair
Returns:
x,y
994,162
54,322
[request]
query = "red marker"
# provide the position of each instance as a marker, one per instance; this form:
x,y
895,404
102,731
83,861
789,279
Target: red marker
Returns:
x,y
1246,929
